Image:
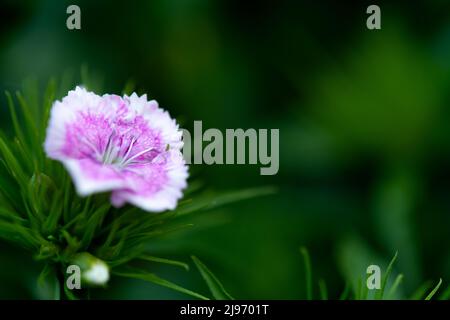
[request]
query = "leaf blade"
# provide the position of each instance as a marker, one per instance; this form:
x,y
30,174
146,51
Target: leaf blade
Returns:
x,y
214,285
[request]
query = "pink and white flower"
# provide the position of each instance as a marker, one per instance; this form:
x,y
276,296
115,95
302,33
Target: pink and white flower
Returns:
x,y
126,145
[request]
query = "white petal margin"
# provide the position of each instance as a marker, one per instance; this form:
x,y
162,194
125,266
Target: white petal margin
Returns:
x,y
157,119
62,114
164,199
65,112
86,185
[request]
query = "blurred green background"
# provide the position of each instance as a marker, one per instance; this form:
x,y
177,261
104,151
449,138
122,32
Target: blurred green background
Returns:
x,y
363,117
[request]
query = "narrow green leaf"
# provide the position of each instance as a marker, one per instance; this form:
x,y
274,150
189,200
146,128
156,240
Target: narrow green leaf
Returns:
x,y
15,120
394,286
94,223
12,164
67,197
57,290
211,202
15,233
29,163
8,214
35,217
420,292
214,285
30,121
8,186
433,292
386,277
111,235
323,289
165,261
129,87
48,99
345,293
71,241
150,277
45,273
363,290
48,284
69,294
359,293
193,187
55,213
308,272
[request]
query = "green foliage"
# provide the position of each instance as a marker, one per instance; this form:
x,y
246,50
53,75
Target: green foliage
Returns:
x,y
433,292
323,289
445,295
308,272
386,276
214,285
362,292
41,212
150,277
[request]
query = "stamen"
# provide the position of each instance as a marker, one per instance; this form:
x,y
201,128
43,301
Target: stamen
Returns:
x,y
92,146
128,161
107,156
133,140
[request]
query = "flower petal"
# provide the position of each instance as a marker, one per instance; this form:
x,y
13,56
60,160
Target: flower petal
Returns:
x,y
155,188
126,145
91,177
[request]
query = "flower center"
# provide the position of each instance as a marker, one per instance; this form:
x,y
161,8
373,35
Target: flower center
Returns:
x,y
122,157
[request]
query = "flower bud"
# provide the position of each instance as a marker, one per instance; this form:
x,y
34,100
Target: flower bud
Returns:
x,y
94,272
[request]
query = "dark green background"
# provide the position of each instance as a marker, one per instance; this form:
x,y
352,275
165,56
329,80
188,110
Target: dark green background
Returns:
x,y
363,118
